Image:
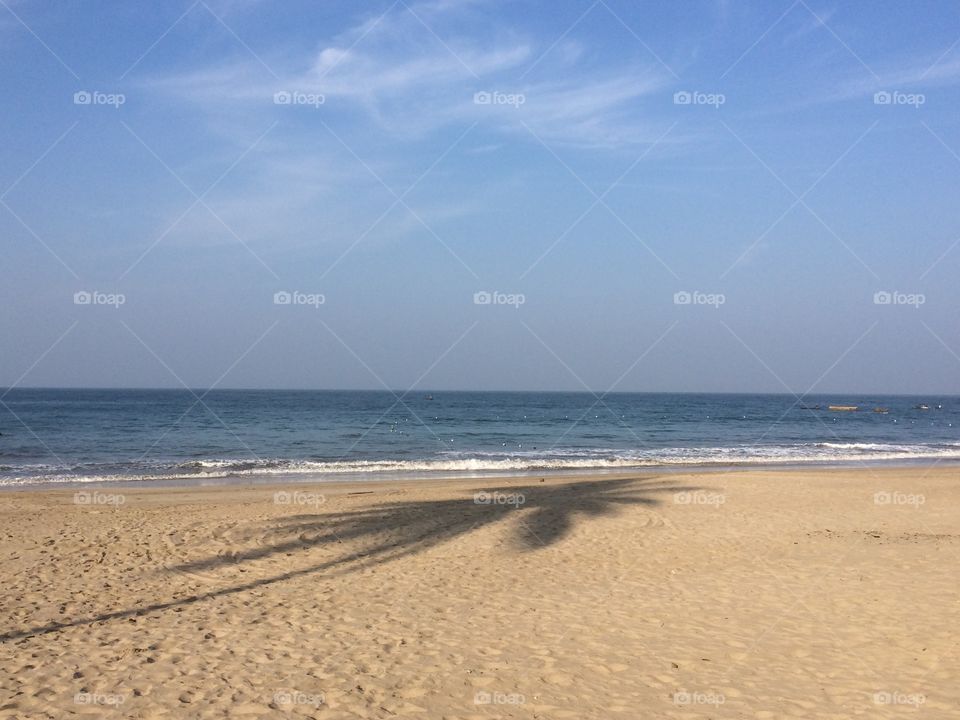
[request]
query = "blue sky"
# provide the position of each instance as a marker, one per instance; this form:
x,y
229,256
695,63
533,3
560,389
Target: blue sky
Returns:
x,y
790,168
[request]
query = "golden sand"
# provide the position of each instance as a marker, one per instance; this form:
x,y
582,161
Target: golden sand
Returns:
x,y
760,594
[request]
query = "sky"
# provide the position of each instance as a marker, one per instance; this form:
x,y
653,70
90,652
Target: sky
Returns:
x,y
710,196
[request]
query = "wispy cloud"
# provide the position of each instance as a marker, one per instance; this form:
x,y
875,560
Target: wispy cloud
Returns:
x,y
810,21
407,79
909,75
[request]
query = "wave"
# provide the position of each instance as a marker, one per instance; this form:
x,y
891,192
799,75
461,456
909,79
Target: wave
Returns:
x,y
480,462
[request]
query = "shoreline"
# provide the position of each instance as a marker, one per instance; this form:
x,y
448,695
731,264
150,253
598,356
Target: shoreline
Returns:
x,y
254,480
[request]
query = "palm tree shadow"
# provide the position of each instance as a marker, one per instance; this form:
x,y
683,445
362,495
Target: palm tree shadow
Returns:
x,y
392,530
544,515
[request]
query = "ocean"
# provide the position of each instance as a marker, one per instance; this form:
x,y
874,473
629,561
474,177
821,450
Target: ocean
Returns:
x,y
52,436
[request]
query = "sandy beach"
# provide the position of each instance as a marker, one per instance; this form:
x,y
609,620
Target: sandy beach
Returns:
x,y
748,594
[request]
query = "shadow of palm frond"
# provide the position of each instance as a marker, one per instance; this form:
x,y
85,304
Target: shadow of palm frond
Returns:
x,y
543,515
393,530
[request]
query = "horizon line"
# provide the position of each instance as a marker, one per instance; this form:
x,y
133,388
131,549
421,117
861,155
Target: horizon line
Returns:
x,y
428,391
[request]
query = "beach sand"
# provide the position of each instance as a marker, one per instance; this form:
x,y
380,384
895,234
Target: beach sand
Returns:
x,y
747,594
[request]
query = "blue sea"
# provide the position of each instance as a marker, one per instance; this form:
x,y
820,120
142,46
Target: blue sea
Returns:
x,y
71,436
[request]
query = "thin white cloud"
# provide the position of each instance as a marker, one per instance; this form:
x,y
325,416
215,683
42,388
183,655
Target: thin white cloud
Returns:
x,y
407,80
911,75
810,21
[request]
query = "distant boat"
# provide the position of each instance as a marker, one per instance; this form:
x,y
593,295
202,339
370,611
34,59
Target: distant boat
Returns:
x,y
429,397
921,407
844,408
882,411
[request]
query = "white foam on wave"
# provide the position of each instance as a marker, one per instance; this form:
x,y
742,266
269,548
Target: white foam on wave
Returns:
x,y
572,459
